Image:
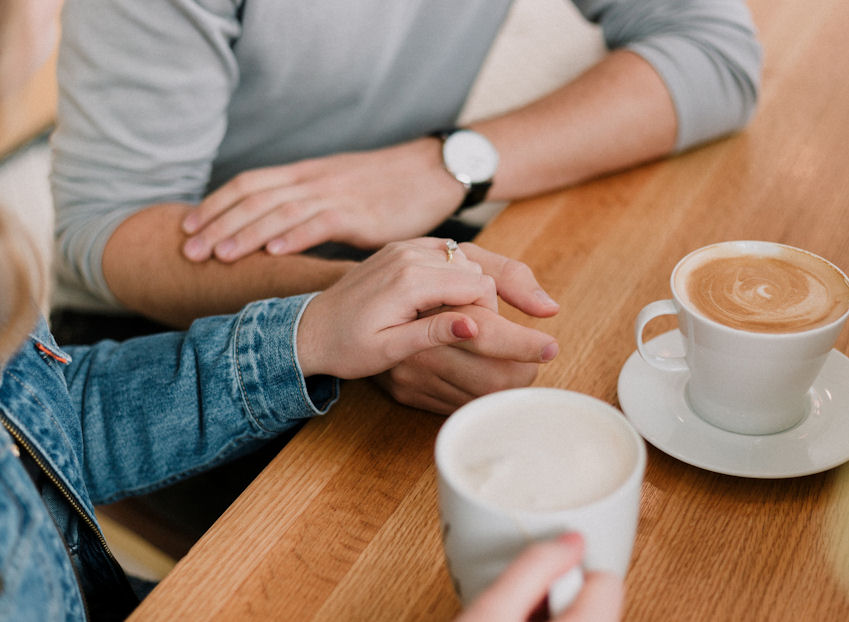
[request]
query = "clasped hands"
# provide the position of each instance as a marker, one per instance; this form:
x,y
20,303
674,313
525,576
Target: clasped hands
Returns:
x,y
429,327
427,330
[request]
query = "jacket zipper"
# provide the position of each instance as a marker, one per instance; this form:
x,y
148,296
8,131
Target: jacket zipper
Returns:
x,y
23,442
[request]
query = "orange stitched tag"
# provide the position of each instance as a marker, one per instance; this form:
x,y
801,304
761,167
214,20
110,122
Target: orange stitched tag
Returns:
x,y
52,355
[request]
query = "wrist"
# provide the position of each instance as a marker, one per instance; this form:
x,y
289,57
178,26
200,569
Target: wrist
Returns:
x,y
307,340
445,192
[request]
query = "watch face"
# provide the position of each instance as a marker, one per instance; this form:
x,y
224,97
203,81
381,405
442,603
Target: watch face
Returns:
x,y
470,157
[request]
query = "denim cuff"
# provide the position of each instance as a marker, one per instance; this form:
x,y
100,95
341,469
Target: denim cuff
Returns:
x,y
273,387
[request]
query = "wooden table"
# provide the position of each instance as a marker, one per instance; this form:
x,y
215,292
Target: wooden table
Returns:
x,y
343,524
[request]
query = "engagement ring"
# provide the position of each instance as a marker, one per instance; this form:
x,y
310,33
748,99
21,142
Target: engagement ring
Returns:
x,y
450,247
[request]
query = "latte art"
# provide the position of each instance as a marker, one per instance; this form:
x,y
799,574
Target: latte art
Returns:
x,y
783,293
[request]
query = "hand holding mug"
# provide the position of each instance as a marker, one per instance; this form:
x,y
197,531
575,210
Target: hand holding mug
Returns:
x,y
525,465
520,592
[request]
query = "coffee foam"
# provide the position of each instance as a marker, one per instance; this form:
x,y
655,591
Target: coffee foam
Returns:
x,y
542,457
781,290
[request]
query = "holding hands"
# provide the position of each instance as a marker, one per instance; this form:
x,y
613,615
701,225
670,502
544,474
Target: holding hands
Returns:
x,y
408,299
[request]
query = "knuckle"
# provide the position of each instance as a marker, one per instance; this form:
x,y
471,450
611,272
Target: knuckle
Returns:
x,y
401,393
408,253
515,269
255,204
401,377
284,212
512,376
242,182
433,331
331,219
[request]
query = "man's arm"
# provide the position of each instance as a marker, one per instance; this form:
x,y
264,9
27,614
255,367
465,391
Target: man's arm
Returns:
x,y
146,271
581,130
616,114
681,73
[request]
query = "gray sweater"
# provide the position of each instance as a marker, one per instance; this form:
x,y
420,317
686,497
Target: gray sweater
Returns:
x,y
164,100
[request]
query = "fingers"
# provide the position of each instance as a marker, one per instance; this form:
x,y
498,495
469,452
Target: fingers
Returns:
x,y
600,600
422,275
443,379
407,339
322,226
416,382
240,238
247,225
520,589
515,281
500,338
233,192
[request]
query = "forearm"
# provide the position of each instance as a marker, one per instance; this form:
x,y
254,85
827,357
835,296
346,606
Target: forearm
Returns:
x,y
175,403
146,271
617,114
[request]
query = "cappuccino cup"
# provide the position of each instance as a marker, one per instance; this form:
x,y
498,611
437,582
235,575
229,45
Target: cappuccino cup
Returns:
x,y
523,465
758,320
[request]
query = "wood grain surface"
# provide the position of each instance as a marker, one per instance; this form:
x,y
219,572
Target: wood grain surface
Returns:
x,y
343,524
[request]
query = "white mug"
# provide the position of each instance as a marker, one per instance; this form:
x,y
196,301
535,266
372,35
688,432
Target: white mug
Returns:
x,y
583,474
741,379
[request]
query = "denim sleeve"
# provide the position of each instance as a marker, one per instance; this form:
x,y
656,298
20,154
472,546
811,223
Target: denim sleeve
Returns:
x,y
114,151
157,409
706,51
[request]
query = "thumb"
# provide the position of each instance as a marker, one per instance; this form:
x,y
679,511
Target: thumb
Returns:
x,y
444,328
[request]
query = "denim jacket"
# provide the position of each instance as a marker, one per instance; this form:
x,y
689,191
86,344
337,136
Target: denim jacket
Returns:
x,y
91,425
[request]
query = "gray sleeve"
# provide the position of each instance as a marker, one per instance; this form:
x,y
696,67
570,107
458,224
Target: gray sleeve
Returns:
x,y
143,92
706,51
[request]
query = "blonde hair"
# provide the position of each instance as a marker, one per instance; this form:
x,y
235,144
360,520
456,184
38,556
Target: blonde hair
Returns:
x,y
22,283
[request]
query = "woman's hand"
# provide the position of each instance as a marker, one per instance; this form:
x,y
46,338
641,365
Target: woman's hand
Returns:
x,y
365,199
503,355
382,311
520,593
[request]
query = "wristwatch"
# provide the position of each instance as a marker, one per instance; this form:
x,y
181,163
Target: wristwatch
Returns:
x,y
471,159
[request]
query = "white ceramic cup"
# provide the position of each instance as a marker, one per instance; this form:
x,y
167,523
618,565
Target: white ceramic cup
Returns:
x,y
481,535
740,380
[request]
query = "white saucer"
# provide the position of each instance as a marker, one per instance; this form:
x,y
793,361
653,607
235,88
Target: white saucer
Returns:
x,y
654,402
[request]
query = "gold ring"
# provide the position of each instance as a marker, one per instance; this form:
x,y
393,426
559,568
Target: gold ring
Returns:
x,y
450,247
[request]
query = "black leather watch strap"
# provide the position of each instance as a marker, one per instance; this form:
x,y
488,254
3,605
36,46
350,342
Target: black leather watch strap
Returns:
x,y
474,196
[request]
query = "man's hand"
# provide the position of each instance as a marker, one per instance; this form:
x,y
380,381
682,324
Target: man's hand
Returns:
x,y
365,199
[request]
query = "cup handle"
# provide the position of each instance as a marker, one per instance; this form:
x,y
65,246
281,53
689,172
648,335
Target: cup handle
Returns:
x,y
647,314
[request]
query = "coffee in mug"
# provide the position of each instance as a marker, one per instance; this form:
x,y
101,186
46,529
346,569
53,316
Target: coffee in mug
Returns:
x,y
776,290
529,464
758,321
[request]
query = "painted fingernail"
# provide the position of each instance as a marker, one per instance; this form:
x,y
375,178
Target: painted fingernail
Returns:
x,y
571,538
194,249
545,298
461,330
190,224
276,247
549,352
225,248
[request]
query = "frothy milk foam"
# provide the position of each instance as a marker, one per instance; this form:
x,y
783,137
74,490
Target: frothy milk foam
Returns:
x,y
542,457
771,289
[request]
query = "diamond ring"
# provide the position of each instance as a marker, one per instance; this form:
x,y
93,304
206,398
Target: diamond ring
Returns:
x,y
450,247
